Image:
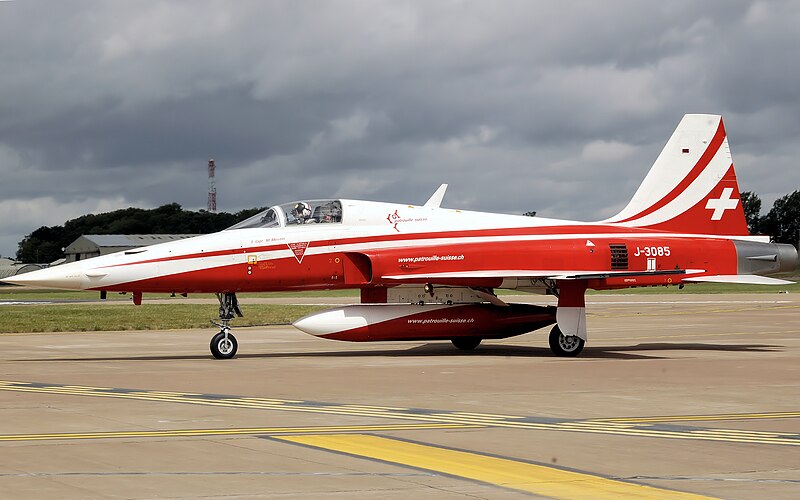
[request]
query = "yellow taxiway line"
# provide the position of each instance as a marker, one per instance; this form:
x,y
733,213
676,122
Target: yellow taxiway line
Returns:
x,y
532,478
621,426
700,418
228,432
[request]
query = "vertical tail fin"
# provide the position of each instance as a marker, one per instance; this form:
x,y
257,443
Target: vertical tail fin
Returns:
x,y
692,186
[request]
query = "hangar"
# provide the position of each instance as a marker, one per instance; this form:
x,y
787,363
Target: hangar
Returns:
x,y
10,267
94,245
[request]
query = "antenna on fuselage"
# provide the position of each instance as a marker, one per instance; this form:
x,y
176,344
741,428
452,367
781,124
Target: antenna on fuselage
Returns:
x,y
435,201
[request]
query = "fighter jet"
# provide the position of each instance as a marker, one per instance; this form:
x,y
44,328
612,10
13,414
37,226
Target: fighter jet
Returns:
x,y
432,273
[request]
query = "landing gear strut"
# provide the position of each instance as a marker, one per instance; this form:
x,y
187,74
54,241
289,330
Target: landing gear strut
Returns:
x,y
568,336
223,344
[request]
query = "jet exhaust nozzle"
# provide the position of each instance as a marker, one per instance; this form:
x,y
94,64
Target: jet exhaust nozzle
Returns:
x,y
787,257
765,258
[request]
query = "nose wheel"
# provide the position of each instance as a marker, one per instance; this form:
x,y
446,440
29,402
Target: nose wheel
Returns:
x,y
224,345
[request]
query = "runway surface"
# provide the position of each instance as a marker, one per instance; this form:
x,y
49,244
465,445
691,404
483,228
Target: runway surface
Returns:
x,y
675,396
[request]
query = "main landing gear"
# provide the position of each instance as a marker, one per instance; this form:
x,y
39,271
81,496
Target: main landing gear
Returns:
x,y
466,343
565,345
223,344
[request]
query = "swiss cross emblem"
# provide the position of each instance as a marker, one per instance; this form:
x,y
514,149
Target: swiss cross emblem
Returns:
x,y
724,202
299,250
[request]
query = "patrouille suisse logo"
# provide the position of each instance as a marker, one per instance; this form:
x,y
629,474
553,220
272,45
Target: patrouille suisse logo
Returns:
x,y
393,220
299,250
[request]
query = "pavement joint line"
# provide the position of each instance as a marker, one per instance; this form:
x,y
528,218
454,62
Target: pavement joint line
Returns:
x,y
635,426
369,408
743,432
276,401
484,415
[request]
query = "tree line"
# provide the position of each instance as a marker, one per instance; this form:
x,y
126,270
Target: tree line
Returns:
x,y
46,243
782,222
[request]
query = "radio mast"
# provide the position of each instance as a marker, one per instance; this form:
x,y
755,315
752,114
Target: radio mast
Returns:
x,y
212,188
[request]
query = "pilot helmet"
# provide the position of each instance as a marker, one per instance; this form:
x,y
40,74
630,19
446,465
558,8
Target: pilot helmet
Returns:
x,y
302,210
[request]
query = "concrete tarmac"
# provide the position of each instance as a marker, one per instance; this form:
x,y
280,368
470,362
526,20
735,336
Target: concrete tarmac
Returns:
x,y
675,396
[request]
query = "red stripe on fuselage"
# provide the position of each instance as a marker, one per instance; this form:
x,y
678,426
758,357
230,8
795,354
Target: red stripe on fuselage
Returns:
x,y
469,233
328,271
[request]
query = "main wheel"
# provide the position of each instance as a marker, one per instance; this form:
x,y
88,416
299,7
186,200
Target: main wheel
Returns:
x,y
223,348
565,345
466,343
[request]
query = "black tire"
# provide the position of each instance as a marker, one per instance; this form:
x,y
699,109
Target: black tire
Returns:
x,y
466,343
565,345
221,349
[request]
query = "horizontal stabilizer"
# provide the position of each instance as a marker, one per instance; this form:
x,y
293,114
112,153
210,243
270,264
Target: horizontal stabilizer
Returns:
x,y
743,279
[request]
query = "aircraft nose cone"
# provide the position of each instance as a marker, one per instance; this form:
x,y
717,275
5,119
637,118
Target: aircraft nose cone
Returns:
x,y
67,276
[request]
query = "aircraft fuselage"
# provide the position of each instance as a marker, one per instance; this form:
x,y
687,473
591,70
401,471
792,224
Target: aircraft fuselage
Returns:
x,y
437,242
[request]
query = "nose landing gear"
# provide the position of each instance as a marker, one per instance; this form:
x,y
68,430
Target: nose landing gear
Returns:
x,y
223,344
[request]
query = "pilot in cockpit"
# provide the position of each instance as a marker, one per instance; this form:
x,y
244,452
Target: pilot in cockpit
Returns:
x,y
269,218
302,212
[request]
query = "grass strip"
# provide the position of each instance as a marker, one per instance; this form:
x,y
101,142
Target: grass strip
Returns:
x,y
705,288
113,317
22,294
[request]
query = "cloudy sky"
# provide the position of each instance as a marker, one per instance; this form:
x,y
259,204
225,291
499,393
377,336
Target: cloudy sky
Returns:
x,y
558,107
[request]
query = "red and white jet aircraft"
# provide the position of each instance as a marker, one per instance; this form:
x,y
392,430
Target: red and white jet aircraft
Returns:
x,y
427,272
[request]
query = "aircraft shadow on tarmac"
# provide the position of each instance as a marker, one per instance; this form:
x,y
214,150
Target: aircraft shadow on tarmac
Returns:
x,y
442,349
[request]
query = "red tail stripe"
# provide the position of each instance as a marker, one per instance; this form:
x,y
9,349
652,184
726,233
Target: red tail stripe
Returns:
x,y
701,164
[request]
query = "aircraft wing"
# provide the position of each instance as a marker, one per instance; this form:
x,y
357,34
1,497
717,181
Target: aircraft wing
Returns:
x,y
743,279
561,274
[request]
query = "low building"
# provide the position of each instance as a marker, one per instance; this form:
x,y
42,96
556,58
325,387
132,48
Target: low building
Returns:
x,y
95,245
10,268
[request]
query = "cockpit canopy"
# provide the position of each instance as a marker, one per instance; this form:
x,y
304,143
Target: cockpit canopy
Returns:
x,y
295,213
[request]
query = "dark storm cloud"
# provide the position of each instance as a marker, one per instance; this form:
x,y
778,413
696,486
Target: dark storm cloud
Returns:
x,y
559,108
227,122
